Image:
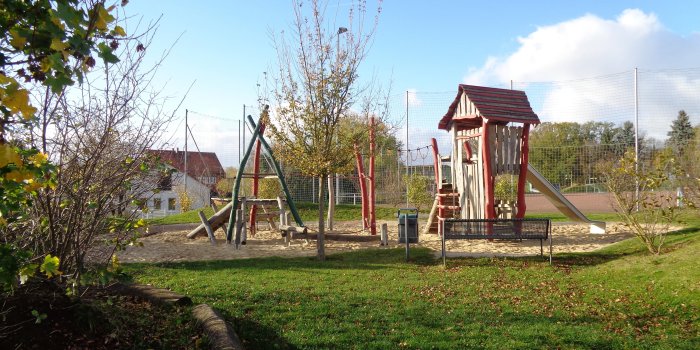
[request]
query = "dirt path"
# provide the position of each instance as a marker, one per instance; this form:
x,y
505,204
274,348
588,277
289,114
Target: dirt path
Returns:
x,y
175,246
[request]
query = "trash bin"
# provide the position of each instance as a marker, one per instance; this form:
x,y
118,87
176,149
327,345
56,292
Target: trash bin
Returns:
x,y
412,218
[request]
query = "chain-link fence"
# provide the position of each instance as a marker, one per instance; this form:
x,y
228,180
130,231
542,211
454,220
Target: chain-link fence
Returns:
x,y
645,100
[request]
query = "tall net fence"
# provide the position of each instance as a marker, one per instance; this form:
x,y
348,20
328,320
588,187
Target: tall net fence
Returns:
x,y
648,100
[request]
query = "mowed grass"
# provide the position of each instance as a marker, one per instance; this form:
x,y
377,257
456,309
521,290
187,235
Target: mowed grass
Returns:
x,y
616,298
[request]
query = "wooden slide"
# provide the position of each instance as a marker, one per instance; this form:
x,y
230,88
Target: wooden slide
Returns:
x,y
560,202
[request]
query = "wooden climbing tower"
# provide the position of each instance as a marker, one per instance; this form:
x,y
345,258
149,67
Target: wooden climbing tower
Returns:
x,y
489,128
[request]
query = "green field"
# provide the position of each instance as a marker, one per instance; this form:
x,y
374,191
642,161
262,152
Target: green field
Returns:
x,y
616,298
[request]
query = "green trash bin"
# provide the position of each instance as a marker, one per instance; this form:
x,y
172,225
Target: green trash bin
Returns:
x,y
410,220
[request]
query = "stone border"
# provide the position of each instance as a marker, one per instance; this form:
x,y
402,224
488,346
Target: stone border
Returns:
x,y
221,335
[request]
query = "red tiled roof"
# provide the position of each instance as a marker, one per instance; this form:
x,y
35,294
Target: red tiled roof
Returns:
x,y
502,105
198,163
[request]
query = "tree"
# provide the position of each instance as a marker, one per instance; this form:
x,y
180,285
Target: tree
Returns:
x,y
225,185
49,44
316,85
555,151
100,133
681,133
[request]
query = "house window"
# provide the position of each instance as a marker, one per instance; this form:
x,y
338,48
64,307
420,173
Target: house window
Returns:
x,y
171,203
157,203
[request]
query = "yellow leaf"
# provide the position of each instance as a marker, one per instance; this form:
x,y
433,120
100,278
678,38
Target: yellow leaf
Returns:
x,y
6,80
118,30
58,45
32,185
17,41
39,159
9,155
18,102
18,176
103,18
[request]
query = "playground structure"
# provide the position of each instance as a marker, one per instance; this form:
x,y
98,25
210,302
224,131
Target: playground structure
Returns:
x,y
490,130
236,211
243,214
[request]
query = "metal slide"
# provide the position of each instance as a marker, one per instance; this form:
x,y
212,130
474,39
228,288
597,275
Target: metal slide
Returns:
x,y
560,202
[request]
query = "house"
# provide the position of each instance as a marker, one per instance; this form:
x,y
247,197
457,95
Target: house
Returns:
x,y
199,181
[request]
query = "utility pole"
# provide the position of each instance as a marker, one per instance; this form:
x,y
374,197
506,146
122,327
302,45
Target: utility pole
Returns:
x,y
408,156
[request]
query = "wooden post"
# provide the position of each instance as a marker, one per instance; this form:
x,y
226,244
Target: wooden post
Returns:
x,y
436,165
283,215
385,235
522,177
372,217
237,227
489,210
331,202
216,210
363,188
205,222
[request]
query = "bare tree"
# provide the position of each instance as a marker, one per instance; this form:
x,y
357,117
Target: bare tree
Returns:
x,y
98,134
316,86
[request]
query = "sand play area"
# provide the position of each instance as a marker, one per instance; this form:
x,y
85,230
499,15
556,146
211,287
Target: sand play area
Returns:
x,y
175,246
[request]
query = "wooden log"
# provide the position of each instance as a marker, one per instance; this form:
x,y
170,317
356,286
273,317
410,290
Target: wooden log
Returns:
x,y
221,335
217,220
338,237
262,201
293,229
431,216
215,207
210,232
155,295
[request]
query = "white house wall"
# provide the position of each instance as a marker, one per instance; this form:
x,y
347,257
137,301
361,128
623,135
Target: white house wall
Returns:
x,y
199,195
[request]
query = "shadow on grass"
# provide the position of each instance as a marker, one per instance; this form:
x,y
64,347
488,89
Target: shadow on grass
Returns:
x,y
254,335
366,259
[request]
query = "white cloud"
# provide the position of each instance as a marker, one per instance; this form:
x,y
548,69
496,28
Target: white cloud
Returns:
x,y
571,52
413,100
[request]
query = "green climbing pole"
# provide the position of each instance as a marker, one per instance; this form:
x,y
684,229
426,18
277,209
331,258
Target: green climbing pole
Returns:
x,y
280,176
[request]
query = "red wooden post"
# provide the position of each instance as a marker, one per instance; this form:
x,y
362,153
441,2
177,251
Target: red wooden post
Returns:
x,y
490,210
438,183
372,217
363,188
436,164
524,150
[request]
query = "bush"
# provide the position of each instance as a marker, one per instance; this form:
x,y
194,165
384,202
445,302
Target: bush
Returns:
x,y
418,190
648,212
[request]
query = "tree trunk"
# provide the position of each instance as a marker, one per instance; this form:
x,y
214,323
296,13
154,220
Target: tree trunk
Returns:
x,y
331,202
320,244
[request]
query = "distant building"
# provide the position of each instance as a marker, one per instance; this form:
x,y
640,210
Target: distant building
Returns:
x,y
203,172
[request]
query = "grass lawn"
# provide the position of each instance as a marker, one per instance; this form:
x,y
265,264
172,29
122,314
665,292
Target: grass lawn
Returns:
x,y
619,297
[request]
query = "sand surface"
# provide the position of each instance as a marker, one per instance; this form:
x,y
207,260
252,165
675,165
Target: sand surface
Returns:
x,y
175,246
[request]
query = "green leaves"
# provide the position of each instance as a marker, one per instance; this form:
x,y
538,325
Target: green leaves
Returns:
x,y
105,52
50,266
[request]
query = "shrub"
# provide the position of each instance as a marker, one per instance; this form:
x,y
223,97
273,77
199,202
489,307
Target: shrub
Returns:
x,y
648,212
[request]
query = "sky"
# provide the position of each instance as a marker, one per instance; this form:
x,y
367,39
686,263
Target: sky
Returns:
x,y
223,48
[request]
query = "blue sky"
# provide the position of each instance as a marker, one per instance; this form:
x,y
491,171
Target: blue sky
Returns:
x,y
426,46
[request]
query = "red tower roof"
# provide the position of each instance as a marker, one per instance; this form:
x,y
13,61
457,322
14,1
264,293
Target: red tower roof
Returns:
x,y
501,105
